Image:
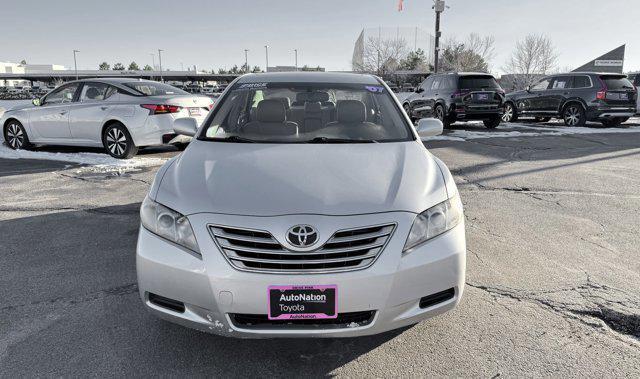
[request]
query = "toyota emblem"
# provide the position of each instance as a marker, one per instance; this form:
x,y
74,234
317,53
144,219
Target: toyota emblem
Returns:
x,y
302,236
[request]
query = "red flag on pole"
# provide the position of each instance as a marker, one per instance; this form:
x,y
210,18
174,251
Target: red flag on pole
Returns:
x,y
400,5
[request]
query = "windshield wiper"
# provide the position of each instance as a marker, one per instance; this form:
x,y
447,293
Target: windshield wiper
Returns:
x,y
339,140
237,139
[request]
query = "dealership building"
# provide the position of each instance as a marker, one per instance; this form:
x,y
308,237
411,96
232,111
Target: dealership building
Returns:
x,y
613,61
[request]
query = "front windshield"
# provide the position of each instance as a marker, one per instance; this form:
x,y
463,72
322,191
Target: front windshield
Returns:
x,y
307,112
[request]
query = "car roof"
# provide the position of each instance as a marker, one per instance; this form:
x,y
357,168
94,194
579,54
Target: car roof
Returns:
x,y
588,73
465,73
310,77
111,80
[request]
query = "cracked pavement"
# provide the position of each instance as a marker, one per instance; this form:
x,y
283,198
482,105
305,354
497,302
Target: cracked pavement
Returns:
x,y
552,275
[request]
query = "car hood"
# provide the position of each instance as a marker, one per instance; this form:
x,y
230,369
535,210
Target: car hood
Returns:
x,y
282,179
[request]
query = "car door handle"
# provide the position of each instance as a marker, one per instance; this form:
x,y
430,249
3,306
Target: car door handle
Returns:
x,y
63,113
104,108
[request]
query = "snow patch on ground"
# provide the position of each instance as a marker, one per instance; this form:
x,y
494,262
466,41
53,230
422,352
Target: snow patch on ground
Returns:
x,y
100,161
528,131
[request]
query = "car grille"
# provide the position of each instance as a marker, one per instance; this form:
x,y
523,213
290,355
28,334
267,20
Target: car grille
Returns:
x,y
344,320
255,250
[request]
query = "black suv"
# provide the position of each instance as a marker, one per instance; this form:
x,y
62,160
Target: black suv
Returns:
x,y
457,97
576,98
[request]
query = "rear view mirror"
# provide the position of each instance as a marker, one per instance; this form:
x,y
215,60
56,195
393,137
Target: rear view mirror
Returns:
x,y
36,102
429,127
186,126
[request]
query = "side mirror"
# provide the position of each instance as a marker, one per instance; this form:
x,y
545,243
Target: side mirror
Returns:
x,y
429,127
187,126
419,90
36,102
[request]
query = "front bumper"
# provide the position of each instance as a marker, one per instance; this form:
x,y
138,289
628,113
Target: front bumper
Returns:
x,y
212,290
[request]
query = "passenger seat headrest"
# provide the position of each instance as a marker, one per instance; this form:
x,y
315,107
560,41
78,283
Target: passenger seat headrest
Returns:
x,y
351,111
271,110
284,100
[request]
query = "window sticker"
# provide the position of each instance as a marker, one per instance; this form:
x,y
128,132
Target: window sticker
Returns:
x,y
248,86
375,89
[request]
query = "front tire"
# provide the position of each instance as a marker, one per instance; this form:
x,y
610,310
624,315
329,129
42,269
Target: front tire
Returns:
x,y
407,109
574,115
118,142
492,123
509,113
15,135
439,113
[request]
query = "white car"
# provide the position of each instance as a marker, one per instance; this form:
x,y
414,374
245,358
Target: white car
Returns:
x,y
305,206
120,115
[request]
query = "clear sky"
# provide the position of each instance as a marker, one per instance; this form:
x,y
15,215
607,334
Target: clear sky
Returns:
x,y
214,33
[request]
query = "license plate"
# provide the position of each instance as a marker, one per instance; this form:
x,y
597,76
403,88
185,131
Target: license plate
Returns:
x,y
194,111
302,302
482,96
623,96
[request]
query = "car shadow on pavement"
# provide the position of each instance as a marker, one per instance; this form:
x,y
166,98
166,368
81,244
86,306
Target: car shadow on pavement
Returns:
x,y
71,295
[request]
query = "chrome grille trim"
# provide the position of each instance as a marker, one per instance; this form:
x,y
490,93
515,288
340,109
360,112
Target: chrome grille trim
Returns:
x,y
258,251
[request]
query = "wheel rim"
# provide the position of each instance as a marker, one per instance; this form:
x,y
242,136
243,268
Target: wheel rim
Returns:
x,y
15,136
572,116
439,113
508,113
116,141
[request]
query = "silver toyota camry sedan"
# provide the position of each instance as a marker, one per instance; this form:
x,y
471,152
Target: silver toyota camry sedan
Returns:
x,y
306,206
118,114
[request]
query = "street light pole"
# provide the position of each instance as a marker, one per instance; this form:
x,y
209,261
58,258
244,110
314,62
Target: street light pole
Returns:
x,y
438,6
296,51
75,63
266,53
246,60
160,60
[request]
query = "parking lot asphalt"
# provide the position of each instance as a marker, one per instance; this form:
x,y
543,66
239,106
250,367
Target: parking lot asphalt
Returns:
x,y
553,274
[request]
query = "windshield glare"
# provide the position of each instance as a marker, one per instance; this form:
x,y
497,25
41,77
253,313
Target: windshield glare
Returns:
x,y
307,112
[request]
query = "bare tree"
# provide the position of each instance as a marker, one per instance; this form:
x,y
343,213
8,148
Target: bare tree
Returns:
x,y
381,56
533,57
472,54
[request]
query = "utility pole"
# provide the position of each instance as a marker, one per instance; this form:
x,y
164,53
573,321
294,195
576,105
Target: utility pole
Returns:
x,y
160,59
75,63
266,53
438,6
246,60
296,51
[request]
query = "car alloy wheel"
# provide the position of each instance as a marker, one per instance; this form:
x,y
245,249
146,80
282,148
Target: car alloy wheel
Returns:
x,y
572,115
15,136
507,115
116,141
439,113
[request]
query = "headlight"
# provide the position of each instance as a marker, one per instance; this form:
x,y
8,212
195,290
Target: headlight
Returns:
x,y
168,224
435,221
